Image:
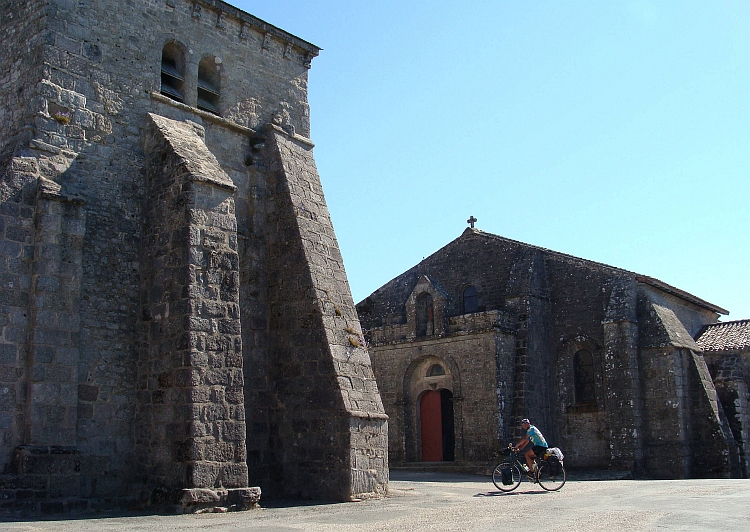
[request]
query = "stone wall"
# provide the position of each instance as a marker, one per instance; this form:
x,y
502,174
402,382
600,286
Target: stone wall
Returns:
x,y
686,431
715,450
731,374
623,392
22,25
637,331
42,244
17,251
137,296
472,360
530,305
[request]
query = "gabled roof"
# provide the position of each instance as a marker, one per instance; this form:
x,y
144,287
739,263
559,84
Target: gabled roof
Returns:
x,y
664,287
396,289
728,336
656,283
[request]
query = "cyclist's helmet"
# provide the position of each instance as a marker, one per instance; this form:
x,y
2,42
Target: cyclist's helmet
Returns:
x,y
525,420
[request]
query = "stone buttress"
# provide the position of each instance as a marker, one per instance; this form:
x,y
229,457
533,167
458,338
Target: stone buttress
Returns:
x,y
687,433
190,417
528,298
42,247
328,426
624,403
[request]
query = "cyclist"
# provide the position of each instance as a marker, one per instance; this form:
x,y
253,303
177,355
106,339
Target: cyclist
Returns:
x,y
533,444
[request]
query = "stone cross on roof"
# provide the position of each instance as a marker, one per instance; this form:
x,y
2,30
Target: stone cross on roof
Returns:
x,y
471,221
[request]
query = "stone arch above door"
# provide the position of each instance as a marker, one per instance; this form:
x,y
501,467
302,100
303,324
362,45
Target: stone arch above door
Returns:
x,y
420,380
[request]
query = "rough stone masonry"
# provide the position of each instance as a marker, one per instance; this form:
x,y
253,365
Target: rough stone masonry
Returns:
x,y
176,321
488,330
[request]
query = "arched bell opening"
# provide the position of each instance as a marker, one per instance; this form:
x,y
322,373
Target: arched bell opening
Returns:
x,y
173,71
209,84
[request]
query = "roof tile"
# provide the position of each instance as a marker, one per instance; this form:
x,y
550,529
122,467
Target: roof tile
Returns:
x,y
727,336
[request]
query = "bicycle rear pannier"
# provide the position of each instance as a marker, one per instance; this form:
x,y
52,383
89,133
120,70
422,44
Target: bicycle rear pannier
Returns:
x,y
554,465
507,476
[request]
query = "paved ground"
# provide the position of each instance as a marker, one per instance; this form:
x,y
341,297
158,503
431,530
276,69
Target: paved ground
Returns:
x,y
433,501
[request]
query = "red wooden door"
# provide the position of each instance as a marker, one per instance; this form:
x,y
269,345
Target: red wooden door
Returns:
x,y
432,427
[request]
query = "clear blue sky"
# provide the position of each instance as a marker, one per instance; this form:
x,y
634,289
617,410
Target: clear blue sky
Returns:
x,y
614,131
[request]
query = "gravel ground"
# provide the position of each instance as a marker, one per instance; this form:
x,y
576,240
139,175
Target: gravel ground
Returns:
x,y
435,501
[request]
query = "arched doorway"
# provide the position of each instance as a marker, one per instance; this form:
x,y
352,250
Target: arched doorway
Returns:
x,y
439,375
437,426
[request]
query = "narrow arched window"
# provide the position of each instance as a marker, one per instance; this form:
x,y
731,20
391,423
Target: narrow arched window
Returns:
x,y
425,315
583,374
471,300
173,71
208,85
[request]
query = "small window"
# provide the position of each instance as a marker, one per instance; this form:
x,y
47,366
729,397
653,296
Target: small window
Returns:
x,y
436,370
208,85
425,315
583,374
173,71
471,300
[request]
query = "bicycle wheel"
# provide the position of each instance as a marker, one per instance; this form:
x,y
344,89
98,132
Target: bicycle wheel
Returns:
x,y
515,476
549,480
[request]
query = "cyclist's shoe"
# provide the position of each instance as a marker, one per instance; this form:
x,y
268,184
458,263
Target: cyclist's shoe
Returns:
x,y
531,477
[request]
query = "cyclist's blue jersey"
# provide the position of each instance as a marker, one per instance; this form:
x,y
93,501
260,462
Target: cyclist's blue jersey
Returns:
x,y
536,437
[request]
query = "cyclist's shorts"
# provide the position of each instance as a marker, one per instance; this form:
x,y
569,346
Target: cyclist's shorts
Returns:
x,y
539,450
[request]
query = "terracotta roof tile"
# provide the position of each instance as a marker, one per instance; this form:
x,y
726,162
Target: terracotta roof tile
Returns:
x,y
727,336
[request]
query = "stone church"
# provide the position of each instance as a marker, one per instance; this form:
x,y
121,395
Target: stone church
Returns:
x,y
176,326
488,330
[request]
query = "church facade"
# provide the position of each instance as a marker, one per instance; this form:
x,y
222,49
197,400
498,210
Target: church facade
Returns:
x,y
487,331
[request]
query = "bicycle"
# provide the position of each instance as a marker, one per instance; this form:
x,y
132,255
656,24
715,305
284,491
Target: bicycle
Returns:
x,y
507,474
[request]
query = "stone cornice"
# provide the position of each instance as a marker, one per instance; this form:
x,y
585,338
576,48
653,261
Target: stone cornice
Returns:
x,y
261,25
216,119
52,191
293,136
438,339
365,415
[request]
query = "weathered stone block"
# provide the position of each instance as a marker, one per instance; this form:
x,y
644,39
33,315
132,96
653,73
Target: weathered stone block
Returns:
x,y
87,392
200,496
245,498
